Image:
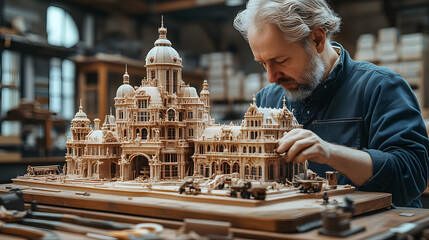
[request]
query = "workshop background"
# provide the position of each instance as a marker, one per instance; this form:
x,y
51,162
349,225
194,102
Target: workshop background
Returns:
x,y
56,53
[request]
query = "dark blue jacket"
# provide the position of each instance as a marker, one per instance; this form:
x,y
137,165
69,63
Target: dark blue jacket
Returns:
x,y
371,108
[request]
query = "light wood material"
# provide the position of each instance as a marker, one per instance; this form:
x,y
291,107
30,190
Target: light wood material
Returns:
x,y
374,223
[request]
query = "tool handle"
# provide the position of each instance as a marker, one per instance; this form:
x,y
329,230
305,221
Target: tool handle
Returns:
x,y
22,231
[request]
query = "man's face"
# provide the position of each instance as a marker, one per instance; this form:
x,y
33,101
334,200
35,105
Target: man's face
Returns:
x,y
295,67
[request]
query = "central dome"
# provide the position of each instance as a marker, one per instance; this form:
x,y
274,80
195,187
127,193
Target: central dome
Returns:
x,y
163,53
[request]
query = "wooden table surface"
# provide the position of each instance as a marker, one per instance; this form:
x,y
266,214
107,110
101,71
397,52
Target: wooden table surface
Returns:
x,y
374,224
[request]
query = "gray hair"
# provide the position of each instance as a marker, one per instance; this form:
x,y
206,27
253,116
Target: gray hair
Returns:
x,y
296,18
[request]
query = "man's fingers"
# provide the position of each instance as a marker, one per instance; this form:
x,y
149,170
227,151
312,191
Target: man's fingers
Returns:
x,y
290,138
308,153
298,147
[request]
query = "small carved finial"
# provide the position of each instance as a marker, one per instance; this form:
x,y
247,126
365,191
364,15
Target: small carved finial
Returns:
x,y
80,105
254,100
162,21
126,77
284,101
110,111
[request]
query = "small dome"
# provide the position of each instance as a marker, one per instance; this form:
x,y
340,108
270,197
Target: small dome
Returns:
x,y
125,89
153,92
189,92
80,115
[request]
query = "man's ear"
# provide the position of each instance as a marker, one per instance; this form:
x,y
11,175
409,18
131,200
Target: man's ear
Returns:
x,y
318,38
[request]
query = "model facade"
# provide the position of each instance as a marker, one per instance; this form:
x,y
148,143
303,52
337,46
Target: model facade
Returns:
x,y
162,130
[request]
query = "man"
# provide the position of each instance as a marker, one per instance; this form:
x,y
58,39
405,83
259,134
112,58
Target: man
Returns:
x,y
359,119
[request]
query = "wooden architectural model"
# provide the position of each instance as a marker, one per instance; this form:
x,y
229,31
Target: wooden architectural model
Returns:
x,y
162,130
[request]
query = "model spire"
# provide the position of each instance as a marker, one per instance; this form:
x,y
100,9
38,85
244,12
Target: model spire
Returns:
x,y
162,30
254,100
284,102
205,85
80,105
126,77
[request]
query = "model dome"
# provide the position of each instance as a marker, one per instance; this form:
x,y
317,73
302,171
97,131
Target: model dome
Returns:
x,y
163,52
80,115
125,88
189,92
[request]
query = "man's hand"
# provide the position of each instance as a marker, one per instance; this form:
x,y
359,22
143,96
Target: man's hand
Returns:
x,y
302,144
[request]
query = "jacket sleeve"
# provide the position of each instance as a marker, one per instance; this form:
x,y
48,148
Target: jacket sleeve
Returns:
x,y
398,142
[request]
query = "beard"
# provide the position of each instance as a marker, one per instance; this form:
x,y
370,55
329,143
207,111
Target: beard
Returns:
x,y
312,78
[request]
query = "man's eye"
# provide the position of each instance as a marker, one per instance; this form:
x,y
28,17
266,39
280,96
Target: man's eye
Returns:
x,y
282,61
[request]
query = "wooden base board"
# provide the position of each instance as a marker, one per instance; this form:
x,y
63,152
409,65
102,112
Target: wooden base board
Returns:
x,y
278,216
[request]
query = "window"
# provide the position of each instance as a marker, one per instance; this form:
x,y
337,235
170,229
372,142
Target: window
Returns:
x,y
253,172
166,171
144,134
244,149
60,27
61,87
9,92
142,103
171,133
174,171
167,80
144,117
152,73
170,157
121,115
225,168
235,168
270,172
174,81
281,170
190,115
171,115
201,149
202,170
191,132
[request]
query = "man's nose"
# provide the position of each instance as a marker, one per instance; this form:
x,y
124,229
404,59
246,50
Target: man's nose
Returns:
x,y
272,73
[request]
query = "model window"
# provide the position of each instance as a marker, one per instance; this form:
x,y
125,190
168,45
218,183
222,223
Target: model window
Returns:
x,y
174,81
142,103
174,171
152,74
191,132
166,171
171,133
190,115
167,80
144,134
144,116
235,168
171,114
271,172
225,168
